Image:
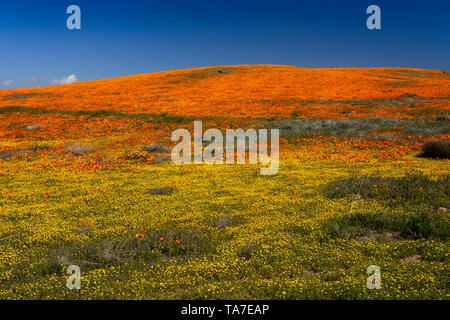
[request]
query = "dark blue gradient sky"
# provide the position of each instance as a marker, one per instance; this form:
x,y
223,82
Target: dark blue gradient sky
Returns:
x,y
130,37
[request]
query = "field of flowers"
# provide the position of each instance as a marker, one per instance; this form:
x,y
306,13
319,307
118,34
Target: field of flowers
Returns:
x,y
81,186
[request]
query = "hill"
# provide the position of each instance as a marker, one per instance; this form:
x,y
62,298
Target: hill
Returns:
x,y
253,91
87,180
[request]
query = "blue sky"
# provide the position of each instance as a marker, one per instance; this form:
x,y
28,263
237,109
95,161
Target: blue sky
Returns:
x,y
130,37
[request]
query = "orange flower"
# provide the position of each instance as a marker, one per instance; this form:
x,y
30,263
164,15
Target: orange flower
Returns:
x,y
291,83
142,236
137,235
145,229
161,238
178,242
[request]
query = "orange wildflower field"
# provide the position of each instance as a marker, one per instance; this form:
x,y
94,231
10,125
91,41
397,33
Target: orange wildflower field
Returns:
x,y
86,179
253,92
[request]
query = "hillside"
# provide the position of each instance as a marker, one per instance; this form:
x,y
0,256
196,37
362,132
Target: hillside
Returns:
x,y
253,91
87,179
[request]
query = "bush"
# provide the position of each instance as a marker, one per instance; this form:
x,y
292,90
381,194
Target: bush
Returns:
x,y
167,191
78,149
154,148
246,251
436,149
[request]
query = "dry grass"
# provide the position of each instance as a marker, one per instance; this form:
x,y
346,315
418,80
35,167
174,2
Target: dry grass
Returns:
x,y
78,149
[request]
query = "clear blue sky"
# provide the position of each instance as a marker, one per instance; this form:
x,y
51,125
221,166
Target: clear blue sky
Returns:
x,y
130,37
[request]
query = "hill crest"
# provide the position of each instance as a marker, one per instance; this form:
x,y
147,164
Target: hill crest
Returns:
x,y
247,91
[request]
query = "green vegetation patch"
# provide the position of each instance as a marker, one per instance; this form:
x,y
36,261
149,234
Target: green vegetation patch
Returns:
x,y
18,96
389,226
149,117
149,248
413,189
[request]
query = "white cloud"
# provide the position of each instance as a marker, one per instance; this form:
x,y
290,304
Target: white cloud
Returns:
x,y
65,80
7,83
33,78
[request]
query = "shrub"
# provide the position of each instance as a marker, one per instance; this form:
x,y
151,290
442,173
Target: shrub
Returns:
x,y
246,251
166,191
154,148
78,149
436,149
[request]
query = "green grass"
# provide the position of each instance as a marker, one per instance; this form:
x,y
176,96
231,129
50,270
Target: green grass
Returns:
x,y
27,95
411,189
149,117
419,224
